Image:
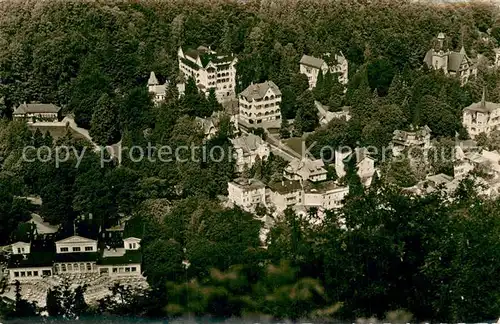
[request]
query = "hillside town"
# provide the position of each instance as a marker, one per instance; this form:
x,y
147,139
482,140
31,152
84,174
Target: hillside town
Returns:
x,y
239,159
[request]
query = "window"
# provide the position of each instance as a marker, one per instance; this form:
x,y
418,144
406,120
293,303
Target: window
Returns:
x,y
115,270
127,269
63,268
70,267
35,273
89,248
19,250
76,249
16,274
23,274
89,267
133,269
29,274
64,249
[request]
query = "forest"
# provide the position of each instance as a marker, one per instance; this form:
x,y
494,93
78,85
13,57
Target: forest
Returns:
x,y
435,257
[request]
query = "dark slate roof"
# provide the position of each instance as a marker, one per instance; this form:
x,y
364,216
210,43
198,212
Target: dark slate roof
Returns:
x,y
42,254
36,108
482,106
76,257
206,56
428,58
130,256
34,259
258,91
455,59
286,186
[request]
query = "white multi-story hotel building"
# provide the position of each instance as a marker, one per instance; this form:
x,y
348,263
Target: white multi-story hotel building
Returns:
x,y
210,71
260,103
481,117
311,66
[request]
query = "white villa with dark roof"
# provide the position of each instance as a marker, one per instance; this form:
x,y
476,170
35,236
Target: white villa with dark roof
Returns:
x,y
310,66
248,148
260,103
452,63
37,112
210,70
481,117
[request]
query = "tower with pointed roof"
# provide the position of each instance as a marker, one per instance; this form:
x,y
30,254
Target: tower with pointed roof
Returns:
x,y
152,82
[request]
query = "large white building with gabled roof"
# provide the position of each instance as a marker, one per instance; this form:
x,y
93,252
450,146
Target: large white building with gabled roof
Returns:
x,y
481,117
210,70
260,102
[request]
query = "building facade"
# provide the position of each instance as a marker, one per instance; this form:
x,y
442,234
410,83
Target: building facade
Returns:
x,y
306,170
247,193
481,117
43,256
458,64
36,112
260,103
210,71
311,67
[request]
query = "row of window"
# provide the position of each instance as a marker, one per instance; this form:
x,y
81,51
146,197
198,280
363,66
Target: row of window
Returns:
x,y
126,269
270,105
80,267
77,249
25,274
259,114
259,121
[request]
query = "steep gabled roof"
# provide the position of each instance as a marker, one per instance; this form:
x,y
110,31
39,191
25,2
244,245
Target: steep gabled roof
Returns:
x,y
248,142
455,59
312,61
35,108
152,79
75,239
258,91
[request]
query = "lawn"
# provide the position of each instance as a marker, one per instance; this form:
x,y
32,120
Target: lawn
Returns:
x,y
56,131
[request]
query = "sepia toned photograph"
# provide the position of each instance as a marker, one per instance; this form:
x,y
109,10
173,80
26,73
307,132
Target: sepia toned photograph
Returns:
x,y
250,161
